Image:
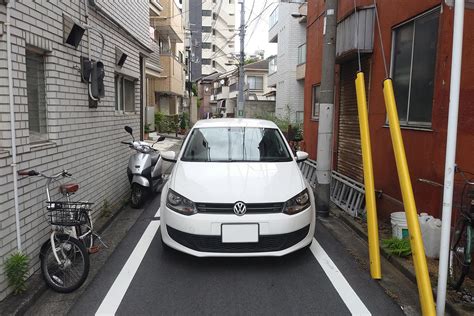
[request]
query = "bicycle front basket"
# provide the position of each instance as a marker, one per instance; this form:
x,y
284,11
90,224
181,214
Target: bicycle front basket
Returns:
x,y
67,213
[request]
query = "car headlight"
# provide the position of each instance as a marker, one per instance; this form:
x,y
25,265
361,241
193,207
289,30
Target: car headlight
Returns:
x,y
180,204
298,203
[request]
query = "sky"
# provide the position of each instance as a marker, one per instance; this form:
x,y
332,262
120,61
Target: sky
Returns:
x,y
256,36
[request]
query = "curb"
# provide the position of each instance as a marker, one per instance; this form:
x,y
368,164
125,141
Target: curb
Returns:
x,y
19,304
396,262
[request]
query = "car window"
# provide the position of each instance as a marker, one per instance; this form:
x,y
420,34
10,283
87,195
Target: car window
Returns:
x,y
236,144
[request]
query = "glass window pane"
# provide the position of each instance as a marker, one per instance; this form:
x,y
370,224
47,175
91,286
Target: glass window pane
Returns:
x,y
36,92
424,62
129,99
401,67
236,144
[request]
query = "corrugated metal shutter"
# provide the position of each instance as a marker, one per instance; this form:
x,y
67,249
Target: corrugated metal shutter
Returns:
x,y
349,154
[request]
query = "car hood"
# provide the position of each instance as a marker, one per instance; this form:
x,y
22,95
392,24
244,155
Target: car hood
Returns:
x,y
237,181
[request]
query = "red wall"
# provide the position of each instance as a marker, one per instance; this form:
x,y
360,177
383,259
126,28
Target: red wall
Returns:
x,y
425,149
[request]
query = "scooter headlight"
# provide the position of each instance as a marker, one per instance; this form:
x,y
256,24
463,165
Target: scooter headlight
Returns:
x,y
180,204
298,203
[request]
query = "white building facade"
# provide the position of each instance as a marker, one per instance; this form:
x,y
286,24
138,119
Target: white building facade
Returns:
x,y
56,125
283,74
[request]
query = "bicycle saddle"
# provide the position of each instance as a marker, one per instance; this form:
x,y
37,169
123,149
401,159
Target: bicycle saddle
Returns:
x,y
68,188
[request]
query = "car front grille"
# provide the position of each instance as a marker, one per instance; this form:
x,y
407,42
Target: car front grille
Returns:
x,y
266,243
228,208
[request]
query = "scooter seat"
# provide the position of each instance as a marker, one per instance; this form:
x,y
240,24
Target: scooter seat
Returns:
x,y
68,188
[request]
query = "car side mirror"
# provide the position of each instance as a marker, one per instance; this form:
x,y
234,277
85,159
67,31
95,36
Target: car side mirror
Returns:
x,y
301,156
160,139
129,130
169,156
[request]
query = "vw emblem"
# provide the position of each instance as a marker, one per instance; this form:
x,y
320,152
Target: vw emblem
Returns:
x,y
240,208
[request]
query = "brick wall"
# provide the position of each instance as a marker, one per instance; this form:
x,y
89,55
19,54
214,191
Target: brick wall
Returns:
x,y
83,140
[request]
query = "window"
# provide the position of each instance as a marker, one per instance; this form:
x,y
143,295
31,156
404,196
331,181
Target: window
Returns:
x,y
315,101
124,94
206,61
36,92
273,17
214,16
214,64
236,144
272,65
255,82
413,68
302,54
206,45
206,12
206,29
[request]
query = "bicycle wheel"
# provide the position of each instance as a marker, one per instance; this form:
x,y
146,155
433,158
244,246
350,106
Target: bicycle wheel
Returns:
x,y
460,249
71,273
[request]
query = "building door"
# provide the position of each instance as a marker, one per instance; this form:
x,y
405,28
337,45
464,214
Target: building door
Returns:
x,y
349,153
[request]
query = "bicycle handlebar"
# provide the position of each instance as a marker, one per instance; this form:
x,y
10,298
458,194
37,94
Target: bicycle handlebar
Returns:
x,y
28,173
63,173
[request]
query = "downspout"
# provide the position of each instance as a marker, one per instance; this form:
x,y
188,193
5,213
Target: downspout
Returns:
x,y
12,124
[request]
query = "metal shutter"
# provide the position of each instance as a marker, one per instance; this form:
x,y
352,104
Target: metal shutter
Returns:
x,y
349,154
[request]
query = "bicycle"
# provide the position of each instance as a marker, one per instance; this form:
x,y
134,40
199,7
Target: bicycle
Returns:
x,y
64,256
462,241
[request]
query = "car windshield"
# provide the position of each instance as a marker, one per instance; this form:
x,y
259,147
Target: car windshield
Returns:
x,y
236,144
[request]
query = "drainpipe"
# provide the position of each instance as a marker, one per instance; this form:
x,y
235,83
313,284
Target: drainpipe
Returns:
x,y
12,124
456,57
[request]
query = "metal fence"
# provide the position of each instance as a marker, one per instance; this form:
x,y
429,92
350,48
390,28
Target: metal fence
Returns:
x,y
345,192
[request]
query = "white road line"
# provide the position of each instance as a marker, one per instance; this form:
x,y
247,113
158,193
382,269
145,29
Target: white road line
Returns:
x,y
347,294
116,293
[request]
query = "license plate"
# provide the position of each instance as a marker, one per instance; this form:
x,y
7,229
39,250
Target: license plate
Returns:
x,y
238,233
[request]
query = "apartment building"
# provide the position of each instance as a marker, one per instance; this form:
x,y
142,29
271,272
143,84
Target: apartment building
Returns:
x,y
56,126
213,33
285,68
166,90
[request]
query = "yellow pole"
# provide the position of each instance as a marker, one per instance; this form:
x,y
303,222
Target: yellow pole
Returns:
x,y
372,224
418,251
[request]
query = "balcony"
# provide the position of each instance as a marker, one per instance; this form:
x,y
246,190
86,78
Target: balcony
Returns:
x,y
273,30
171,81
170,22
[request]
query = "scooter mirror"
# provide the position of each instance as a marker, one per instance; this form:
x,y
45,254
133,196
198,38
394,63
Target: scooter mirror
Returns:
x,y
128,129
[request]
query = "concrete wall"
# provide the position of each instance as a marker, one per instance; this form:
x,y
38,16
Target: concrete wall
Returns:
x,y
83,140
256,109
425,148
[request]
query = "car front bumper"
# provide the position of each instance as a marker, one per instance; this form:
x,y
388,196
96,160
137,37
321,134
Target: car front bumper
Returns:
x,y
200,234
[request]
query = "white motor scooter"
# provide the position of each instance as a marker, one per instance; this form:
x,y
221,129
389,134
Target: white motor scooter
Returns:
x,y
144,169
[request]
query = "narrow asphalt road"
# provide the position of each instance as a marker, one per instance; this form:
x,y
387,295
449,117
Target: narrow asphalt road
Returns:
x,y
172,283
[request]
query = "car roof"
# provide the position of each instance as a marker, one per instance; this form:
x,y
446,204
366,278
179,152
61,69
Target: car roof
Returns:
x,y
234,122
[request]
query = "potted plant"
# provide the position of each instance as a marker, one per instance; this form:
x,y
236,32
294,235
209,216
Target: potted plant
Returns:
x,y
147,130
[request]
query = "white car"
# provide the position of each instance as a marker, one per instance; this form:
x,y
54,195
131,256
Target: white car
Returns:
x,y
236,190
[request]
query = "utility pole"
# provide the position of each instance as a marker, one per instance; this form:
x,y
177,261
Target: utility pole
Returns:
x,y
326,110
241,99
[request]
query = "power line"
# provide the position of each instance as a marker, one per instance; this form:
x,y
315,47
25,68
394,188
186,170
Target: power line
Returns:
x,y
246,26
215,21
253,31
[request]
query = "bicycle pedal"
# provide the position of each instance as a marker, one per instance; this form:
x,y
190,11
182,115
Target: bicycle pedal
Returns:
x,y
93,249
